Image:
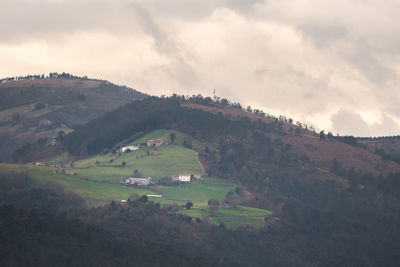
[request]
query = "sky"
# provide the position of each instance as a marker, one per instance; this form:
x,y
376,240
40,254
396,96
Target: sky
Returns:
x,y
332,64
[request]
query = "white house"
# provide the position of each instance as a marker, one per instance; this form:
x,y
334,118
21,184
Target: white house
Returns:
x,y
138,181
184,177
132,148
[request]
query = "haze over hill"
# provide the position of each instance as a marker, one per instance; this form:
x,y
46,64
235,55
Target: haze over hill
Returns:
x,y
31,109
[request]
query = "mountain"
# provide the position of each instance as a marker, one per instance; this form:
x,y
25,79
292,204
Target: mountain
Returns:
x,y
31,109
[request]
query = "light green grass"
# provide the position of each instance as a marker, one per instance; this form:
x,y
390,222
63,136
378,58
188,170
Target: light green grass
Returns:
x,y
194,212
242,211
88,190
63,158
84,188
196,190
4,168
233,223
172,160
164,134
158,134
91,161
100,173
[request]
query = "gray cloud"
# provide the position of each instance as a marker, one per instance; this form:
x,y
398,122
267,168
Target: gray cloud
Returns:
x,y
349,122
305,59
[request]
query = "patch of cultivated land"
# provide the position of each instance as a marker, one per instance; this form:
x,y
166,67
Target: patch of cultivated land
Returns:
x,y
233,223
232,217
197,190
154,162
99,176
89,190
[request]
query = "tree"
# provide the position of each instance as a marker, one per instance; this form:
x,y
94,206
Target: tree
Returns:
x,y
172,136
16,117
60,137
188,205
322,134
143,199
213,203
39,106
81,97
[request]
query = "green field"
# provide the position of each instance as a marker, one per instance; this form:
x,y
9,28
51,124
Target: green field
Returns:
x,y
242,211
100,173
164,134
196,211
64,158
171,160
199,191
233,223
89,190
232,217
93,177
158,134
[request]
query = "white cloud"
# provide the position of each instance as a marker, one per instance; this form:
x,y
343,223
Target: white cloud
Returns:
x,y
351,123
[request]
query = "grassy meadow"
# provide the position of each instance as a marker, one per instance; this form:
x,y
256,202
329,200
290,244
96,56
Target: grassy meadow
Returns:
x,y
89,190
199,191
93,177
169,160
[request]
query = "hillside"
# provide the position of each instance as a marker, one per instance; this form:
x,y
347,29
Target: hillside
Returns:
x,y
40,108
388,148
321,152
327,197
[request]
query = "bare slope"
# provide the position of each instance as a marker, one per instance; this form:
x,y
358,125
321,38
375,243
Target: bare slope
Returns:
x,y
309,145
34,109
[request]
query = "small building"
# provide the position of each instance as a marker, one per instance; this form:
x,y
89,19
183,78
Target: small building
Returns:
x,y
184,177
138,181
66,171
157,196
132,148
155,153
154,142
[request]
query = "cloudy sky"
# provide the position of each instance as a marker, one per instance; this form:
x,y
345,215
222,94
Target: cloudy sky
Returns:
x,y
334,64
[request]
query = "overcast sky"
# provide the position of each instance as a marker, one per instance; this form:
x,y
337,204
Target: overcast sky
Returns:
x,y
334,64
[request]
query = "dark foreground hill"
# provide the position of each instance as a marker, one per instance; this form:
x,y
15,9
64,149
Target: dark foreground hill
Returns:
x,y
334,204
35,109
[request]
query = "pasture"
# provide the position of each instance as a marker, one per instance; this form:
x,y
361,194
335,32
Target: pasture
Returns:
x,y
198,191
154,162
94,192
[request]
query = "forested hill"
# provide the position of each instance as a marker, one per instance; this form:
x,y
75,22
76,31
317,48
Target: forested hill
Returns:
x,y
234,138
36,107
387,147
333,204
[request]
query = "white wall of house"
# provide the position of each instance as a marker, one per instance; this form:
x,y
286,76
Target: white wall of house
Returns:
x,y
184,177
123,149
